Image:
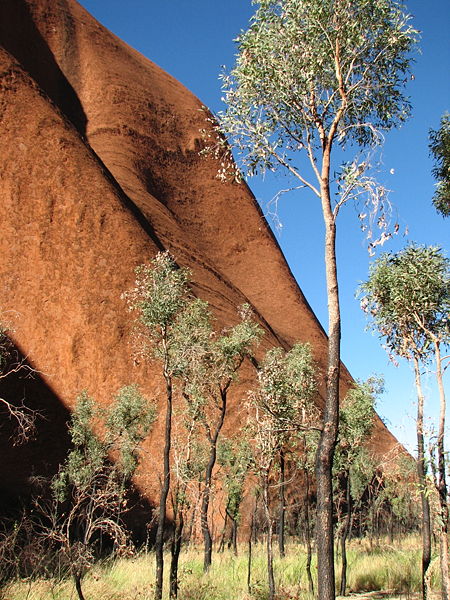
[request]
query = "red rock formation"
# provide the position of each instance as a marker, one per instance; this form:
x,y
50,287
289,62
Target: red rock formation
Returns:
x,y
100,169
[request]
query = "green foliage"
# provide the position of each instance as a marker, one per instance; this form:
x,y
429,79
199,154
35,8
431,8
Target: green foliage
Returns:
x,y
283,403
161,292
237,341
356,421
440,151
357,414
88,466
305,449
407,297
193,467
208,362
178,327
404,504
128,423
287,386
235,458
88,455
191,337
361,470
301,63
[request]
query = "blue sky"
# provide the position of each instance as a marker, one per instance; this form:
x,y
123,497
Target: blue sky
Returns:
x,y
193,39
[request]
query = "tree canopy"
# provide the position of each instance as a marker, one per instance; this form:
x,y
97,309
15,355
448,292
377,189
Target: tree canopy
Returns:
x,y
407,296
310,72
440,150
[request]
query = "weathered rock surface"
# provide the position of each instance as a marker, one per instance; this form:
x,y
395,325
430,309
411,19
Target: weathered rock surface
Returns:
x,y
100,169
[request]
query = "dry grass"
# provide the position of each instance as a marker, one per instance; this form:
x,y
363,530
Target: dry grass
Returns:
x,y
392,569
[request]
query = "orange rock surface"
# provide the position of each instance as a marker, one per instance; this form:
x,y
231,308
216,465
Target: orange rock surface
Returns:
x,y
100,169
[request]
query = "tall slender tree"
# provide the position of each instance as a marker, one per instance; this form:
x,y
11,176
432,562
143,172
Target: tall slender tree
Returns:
x,y
407,296
283,408
356,422
312,76
159,297
209,370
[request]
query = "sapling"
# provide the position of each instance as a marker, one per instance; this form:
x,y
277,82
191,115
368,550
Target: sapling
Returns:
x,y
282,407
90,489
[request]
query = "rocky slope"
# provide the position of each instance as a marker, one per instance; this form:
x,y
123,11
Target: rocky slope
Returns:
x,y
100,169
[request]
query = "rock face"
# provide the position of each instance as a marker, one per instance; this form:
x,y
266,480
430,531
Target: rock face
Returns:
x,y
100,169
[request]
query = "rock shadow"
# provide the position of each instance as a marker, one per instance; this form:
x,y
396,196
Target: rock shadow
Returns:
x,y
21,38
26,466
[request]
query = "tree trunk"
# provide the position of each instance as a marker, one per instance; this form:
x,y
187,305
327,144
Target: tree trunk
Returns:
x,y
330,421
282,515
194,515
345,533
159,541
221,547
234,535
337,516
421,474
175,552
207,538
391,527
249,564
442,485
77,578
308,537
269,537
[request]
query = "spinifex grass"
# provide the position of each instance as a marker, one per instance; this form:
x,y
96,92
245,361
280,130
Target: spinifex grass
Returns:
x,y
393,568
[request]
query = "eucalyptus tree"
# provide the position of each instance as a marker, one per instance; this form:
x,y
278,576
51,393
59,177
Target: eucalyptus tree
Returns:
x,y
89,490
440,150
407,297
356,421
160,296
234,457
282,409
306,450
312,77
189,460
209,370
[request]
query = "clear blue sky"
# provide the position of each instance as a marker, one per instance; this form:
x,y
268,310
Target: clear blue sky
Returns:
x,y
192,39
